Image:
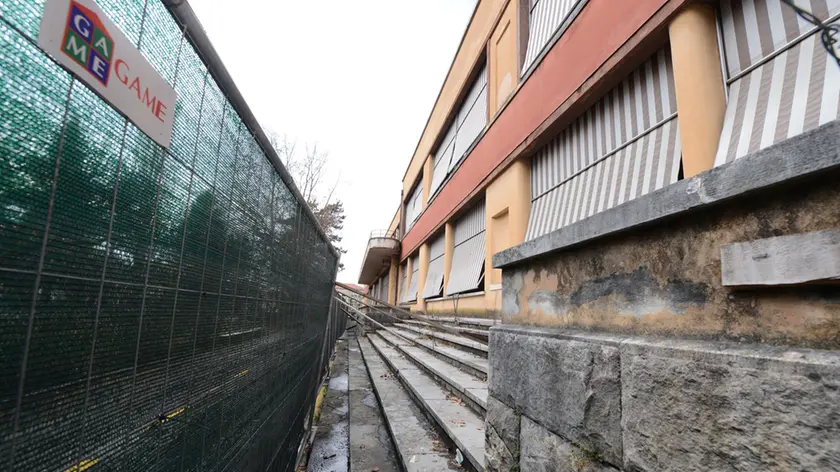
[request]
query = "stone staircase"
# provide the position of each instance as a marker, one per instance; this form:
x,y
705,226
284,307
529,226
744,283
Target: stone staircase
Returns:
x,y
432,388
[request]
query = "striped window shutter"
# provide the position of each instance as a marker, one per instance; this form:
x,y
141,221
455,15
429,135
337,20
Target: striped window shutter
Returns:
x,y
413,207
434,276
403,288
442,158
469,254
781,81
414,282
471,119
383,287
468,124
626,145
545,19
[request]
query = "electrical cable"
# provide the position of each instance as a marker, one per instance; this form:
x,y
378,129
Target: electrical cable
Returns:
x,y
829,32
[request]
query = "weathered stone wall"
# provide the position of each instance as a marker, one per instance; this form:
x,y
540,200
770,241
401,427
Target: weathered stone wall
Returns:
x,y
575,401
661,274
622,348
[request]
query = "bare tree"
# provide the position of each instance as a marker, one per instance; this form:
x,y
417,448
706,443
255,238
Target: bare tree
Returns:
x,y
309,171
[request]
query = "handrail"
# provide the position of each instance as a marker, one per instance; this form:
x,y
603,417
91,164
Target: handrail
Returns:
x,y
384,233
411,315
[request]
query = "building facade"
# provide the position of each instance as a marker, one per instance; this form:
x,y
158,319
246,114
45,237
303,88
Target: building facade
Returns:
x,y
646,193
556,110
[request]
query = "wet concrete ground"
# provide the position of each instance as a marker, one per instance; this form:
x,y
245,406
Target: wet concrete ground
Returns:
x,y
330,451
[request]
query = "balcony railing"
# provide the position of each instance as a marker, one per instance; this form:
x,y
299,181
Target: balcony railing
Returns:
x,y
385,233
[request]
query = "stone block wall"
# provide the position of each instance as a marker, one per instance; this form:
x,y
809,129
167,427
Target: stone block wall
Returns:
x,y
624,349
574,401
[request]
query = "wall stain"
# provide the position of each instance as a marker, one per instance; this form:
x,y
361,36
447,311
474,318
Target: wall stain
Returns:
x,y
665,278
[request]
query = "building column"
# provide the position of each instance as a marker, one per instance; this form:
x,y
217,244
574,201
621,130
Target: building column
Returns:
x,y
701,99
423,260
448,249
508,200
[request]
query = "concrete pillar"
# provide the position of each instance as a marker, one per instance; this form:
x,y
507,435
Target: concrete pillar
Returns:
x,y
701,100
428,171
393,281
425,250
508,200
449,249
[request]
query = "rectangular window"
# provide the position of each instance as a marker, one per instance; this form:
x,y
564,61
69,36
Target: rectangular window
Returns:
x,y
383,287
467,272
546,19
434,276
468,124
625,146
413,207
781,80
411,295
403,288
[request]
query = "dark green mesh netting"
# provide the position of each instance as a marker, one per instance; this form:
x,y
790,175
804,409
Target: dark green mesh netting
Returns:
x,y
159,310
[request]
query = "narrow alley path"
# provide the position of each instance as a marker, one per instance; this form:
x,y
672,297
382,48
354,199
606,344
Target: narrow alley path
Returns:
x,y
371,448
330,447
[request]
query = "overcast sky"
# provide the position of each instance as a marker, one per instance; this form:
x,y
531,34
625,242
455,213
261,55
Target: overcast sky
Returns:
x,y
358,78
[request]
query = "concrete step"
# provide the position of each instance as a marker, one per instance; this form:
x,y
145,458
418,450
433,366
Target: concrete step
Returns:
x,y
482,333
471,363
477,323
463,426
459,342
371,446
418,446
470,389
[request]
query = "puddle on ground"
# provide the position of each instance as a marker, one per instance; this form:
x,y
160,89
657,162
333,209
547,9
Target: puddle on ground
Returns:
x,y
330,452
369,400
339,383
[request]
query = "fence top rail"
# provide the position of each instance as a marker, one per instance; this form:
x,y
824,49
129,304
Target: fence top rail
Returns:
x,y
185,16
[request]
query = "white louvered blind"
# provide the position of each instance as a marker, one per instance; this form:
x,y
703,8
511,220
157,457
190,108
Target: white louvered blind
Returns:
x,y
383,287
403,288
545,18
781,81
411,295
462,133
434,276
413,207
468,256
626,145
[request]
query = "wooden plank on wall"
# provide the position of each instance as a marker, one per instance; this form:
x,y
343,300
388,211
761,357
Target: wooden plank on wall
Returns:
x,y
782,260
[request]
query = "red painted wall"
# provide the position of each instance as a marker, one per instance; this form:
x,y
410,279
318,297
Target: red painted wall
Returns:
x,y
599,30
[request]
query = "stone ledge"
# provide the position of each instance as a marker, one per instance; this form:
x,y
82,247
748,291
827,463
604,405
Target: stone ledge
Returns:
x,y
569,334
544,451
501,444
684,404
572,385
799,157
693,407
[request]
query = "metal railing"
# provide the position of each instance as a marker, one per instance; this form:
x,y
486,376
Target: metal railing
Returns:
x,y
162,309
385,233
